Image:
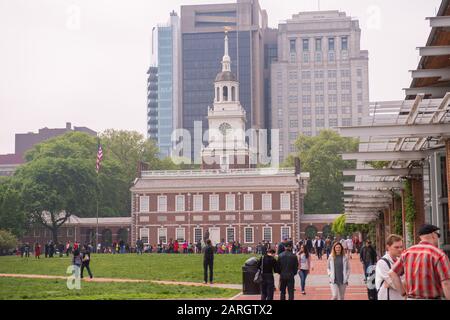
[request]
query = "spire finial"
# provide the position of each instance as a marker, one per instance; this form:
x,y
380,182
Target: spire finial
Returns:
x,y
226,61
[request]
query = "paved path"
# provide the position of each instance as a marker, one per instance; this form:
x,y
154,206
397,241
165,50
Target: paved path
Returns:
x,y
178,283
317,285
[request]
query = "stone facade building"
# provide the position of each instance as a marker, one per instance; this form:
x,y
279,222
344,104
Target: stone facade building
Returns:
x,y
321,77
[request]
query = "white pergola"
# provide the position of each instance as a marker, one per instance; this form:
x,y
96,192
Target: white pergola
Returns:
x,y
401,133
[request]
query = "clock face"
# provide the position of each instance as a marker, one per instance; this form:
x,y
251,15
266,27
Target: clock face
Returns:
x,y
224,127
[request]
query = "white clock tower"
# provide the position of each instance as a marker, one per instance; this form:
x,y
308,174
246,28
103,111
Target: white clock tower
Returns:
x,y
226,148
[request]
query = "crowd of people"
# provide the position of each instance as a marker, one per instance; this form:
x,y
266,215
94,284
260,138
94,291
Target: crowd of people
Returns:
x,y
422,272
50,249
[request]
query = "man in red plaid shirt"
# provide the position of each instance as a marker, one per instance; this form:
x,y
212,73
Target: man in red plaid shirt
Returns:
x,y
426,268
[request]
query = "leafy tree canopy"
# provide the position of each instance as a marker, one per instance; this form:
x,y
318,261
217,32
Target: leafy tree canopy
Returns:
x,y
321,157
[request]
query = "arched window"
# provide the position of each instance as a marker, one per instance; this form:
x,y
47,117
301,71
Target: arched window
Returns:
x,y
225,93
233,93
218,94
106,238
326,231
122,235
311,232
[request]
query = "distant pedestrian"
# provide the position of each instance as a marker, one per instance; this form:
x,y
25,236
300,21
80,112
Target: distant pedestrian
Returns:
x,y
349,243
281,247
426,268
368,257
338,269
319,247
77,261
304,266
37,250
208,261
309,245
46,249
68,248
86,259
27,250
288,266
51,249
328,246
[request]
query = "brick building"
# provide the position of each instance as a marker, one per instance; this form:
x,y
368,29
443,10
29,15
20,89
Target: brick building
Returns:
x,y
25,141
110,229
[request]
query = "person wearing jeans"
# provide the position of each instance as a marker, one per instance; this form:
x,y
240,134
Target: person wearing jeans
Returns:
x,y
304,266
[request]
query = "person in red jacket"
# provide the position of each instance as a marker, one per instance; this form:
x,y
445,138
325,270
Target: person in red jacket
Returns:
x,y
175,246
37,250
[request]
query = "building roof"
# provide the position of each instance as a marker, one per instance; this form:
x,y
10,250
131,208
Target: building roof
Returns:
x,y
326,218
215,180
11,159
75,220
432,76
225,76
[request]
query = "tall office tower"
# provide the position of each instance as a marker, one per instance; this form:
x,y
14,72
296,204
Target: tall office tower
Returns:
x,y
321,77
166,57
202,28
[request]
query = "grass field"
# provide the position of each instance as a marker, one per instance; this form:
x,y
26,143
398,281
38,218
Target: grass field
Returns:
x,y
37,289
168,267
175,267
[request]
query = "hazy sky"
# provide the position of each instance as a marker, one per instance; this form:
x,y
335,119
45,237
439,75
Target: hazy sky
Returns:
x,y
85,61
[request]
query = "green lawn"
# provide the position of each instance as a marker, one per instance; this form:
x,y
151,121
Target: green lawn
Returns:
x,y
177,267
20,289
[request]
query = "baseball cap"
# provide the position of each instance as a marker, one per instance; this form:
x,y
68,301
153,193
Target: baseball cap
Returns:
x,y
427,229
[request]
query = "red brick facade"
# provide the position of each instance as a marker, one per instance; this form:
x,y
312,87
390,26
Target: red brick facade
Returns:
x,y
247,221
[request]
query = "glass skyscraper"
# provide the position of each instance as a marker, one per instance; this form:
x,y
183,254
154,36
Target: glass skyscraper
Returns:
x,y
163,118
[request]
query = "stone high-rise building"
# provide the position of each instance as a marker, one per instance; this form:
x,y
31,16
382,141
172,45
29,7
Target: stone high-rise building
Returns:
x,y
321,77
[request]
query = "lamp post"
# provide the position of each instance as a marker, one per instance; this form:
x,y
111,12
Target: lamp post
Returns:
x,y
189,217
135,213
239,216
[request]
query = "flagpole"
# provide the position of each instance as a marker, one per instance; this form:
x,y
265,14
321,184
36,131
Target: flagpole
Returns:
x,y
96,233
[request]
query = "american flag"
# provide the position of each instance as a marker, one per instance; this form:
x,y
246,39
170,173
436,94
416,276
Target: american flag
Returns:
x,y
99,157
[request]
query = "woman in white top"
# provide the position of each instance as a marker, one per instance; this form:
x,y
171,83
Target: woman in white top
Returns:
x,y
304,266
383,283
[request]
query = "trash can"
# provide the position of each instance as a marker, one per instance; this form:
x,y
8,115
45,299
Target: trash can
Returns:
x,y
248,275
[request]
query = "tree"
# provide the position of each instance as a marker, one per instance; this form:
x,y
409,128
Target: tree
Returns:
x,y
126,149
320,156
12,218
130,147
339,226
7,241
54,189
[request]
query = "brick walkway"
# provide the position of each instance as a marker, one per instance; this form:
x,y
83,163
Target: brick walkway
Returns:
x,y
317,286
